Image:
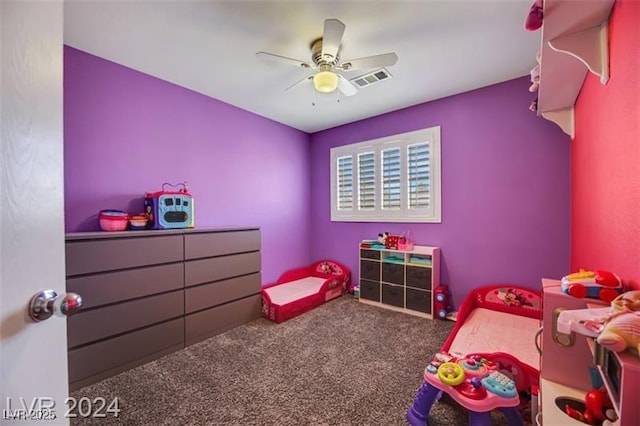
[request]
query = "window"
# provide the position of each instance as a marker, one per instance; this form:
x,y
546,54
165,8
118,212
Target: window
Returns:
x,y
392,179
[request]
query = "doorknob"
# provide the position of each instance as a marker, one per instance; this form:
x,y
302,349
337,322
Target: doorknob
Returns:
x,y
46,303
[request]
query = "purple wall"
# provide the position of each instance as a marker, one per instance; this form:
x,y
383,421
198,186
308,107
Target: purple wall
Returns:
x,y
505,173
505,189
125,133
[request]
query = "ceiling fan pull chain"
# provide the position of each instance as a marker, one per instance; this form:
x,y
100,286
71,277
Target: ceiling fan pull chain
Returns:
x,y
313,96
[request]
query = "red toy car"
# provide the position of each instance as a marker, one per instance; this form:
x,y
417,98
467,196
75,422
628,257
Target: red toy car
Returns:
x,y
601,285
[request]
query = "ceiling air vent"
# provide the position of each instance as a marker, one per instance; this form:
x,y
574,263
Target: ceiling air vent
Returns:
x,y
371,78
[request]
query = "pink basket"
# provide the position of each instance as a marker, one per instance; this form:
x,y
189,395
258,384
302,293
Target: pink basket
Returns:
x,y
119,224
113,220
407,246
406,242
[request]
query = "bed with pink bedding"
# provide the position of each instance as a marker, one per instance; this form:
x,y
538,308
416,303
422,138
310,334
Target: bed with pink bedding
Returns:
x,y
302,289
502,320
498,318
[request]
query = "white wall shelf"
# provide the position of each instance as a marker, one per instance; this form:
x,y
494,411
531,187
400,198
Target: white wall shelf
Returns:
x,y
574,41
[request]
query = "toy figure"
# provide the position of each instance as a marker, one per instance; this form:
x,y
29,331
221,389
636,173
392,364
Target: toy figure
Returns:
x,y
620,328
382,238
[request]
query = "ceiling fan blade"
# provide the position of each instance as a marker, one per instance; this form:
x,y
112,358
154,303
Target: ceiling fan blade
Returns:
x,y
346,87
300,82
283,59
376,61
331,39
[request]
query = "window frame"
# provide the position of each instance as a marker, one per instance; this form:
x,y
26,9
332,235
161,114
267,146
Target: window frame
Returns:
x,y
433,214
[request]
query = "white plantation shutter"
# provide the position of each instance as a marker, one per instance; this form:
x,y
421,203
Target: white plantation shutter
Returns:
x,y
345,183
418,176
391,179
366,181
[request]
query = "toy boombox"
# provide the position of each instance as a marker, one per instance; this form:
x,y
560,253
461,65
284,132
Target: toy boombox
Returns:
x,y
169,209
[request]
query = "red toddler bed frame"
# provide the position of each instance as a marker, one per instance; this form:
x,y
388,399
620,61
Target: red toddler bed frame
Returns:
x,y
502,320
300,290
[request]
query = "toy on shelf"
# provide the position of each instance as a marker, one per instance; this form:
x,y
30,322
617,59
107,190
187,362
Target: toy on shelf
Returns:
x,y
622,329
169,209
616,328
603,285
391,242
406,241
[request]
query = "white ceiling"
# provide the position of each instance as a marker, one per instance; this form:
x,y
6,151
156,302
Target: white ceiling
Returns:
x,y
444,48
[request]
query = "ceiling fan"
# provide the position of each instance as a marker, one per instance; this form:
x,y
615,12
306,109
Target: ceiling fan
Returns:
x,y
325,59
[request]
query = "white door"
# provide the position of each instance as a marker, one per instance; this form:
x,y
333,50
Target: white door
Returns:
x,y
33,356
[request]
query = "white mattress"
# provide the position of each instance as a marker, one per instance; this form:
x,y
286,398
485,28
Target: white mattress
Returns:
x,y
285,293
486,330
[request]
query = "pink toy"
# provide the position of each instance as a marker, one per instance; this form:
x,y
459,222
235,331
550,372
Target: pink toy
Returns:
x,y
479,382
534,17
300,290
622,328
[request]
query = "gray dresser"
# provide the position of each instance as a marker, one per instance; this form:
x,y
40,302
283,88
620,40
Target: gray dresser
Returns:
x,y
148,293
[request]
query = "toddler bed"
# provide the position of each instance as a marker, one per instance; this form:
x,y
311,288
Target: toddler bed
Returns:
x,y
502,320
302,289
498,318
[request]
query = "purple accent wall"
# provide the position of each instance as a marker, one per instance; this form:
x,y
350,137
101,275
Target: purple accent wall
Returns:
x,y
125,133
505,173
505,189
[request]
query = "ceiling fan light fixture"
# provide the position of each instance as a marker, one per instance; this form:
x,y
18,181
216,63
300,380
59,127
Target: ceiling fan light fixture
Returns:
x,y
325,81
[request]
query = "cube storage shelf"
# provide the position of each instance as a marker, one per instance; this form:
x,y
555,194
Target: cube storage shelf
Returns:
x,y
400,280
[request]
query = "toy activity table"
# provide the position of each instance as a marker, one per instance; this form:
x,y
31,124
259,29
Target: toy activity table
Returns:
x,y
474,382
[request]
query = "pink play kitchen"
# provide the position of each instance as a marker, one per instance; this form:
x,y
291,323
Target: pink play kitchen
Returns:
x,y
589,374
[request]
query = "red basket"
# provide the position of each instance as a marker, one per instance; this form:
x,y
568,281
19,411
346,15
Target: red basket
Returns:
x,y
113,220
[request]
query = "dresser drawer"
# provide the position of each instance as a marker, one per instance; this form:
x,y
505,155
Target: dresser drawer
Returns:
x,y
370,254
419,277
199,245
88,256
208,295
218,268
211,322
370,270
393,273
111,287
419,300
112,353
96,324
